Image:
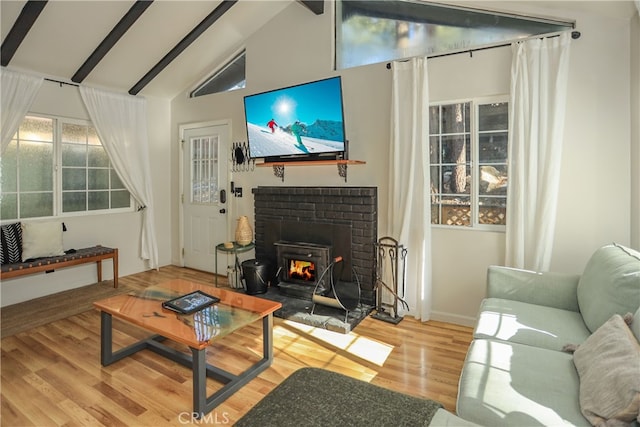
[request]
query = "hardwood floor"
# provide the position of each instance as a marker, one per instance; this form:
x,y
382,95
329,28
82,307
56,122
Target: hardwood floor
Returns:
x,y
51,375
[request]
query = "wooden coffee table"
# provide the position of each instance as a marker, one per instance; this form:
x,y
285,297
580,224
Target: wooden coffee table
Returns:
x,y
197,331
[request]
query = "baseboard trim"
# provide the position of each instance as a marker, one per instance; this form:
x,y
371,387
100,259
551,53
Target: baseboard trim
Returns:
x,y
442,316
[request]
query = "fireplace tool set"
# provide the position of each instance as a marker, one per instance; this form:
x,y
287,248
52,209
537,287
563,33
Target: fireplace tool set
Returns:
x,y
336,293
391,255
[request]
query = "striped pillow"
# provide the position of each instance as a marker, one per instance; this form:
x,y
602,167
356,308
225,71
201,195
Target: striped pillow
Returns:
x,y
10,243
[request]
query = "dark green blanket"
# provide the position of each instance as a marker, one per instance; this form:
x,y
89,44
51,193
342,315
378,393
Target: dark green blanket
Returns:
x,y
316,397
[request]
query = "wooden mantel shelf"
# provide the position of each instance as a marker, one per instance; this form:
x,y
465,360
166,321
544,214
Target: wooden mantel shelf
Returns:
x,y
278,167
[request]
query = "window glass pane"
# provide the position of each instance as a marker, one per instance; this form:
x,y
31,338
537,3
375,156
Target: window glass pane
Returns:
x,y
35,166
492,210
98,200
375,31
116,182
204,170
73,133
230,77
456,210
74,201
92,136
456,149
493,117
493,147
9,168
98,179
493,180
97,157
456,179
74,155
36,204
434,119
120,199
456,118
434,149
74,179
9,206
36,129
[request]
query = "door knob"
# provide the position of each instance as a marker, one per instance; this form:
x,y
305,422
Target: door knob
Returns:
x,y
223,210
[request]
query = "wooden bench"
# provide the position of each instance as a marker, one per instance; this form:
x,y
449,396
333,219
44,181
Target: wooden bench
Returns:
x,y
81,256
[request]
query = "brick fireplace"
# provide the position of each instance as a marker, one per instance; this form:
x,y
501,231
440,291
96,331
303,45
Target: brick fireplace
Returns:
x,y
342,218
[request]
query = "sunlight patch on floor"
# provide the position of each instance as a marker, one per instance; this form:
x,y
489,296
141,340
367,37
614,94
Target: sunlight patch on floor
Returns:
x,y
365,348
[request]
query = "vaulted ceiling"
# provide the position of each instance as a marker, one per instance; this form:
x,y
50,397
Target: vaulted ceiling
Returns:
x,y
161,47
156,48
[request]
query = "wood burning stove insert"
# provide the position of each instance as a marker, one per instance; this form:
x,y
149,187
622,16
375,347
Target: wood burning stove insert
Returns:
x,y
300,266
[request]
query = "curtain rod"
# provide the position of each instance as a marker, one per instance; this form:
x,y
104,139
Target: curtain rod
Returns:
x,y
61,82
574,35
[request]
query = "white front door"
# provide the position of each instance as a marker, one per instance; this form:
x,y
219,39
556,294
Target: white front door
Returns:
x,y
204,198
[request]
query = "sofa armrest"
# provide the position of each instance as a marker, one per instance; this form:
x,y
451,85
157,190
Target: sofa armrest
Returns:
x,y
542,288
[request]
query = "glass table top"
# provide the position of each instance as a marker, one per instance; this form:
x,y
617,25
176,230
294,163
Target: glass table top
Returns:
x,y
195,330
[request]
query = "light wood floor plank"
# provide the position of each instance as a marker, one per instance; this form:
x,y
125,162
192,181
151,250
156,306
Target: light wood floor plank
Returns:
x,y
51,374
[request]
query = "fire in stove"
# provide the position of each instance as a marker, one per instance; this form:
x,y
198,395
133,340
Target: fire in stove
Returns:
x,y
302,270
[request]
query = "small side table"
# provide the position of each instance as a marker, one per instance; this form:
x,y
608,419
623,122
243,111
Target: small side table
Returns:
x,y
235,250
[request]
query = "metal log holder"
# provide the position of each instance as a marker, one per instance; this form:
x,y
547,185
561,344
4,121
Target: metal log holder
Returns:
x,y
391,255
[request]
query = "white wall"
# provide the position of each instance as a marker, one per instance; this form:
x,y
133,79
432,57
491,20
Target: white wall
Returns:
x,y
120,230
594,207
635,131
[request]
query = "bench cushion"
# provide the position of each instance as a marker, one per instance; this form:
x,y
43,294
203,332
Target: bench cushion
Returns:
x,y
79,254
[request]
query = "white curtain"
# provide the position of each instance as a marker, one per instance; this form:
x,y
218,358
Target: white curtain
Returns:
x,y
18,93
121,123
409,203
539,75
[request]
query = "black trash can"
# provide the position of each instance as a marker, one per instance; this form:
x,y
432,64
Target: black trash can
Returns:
x,y
256,276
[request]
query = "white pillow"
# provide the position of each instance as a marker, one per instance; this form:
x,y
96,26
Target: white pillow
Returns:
x,y
41,239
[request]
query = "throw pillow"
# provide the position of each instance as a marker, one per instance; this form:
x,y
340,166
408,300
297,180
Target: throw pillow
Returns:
x,y
607,363
10,243
41,239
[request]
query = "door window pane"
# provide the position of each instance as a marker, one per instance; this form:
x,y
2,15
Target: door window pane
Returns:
x,y
204,170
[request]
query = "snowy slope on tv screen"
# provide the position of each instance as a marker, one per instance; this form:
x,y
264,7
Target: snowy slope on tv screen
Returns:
x,y
300,120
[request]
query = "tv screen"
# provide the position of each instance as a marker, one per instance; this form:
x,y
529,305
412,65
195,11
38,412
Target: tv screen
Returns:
x,y
302,121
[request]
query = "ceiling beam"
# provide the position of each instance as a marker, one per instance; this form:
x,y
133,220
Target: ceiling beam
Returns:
x,y
112,38
21,27
183,44
315,6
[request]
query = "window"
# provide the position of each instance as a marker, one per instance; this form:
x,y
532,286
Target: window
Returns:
x,y
32,185
468,166
368,32
204,170
230,77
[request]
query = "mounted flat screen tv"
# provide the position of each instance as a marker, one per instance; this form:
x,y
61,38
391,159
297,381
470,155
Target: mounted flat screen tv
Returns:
x,y
302,122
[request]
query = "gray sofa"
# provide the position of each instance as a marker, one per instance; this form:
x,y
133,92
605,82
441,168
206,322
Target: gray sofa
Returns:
x,y
516,372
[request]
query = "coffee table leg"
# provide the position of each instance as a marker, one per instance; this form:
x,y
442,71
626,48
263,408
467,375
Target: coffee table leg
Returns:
x,y
106,348
199,382
203,404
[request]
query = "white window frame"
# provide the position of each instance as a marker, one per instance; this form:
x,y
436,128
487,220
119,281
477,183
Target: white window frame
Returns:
x,y
474,164
57,174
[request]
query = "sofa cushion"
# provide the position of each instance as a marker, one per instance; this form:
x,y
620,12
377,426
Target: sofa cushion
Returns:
x,y
635,325
608,364
610,284
41,239
530,324
505,383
